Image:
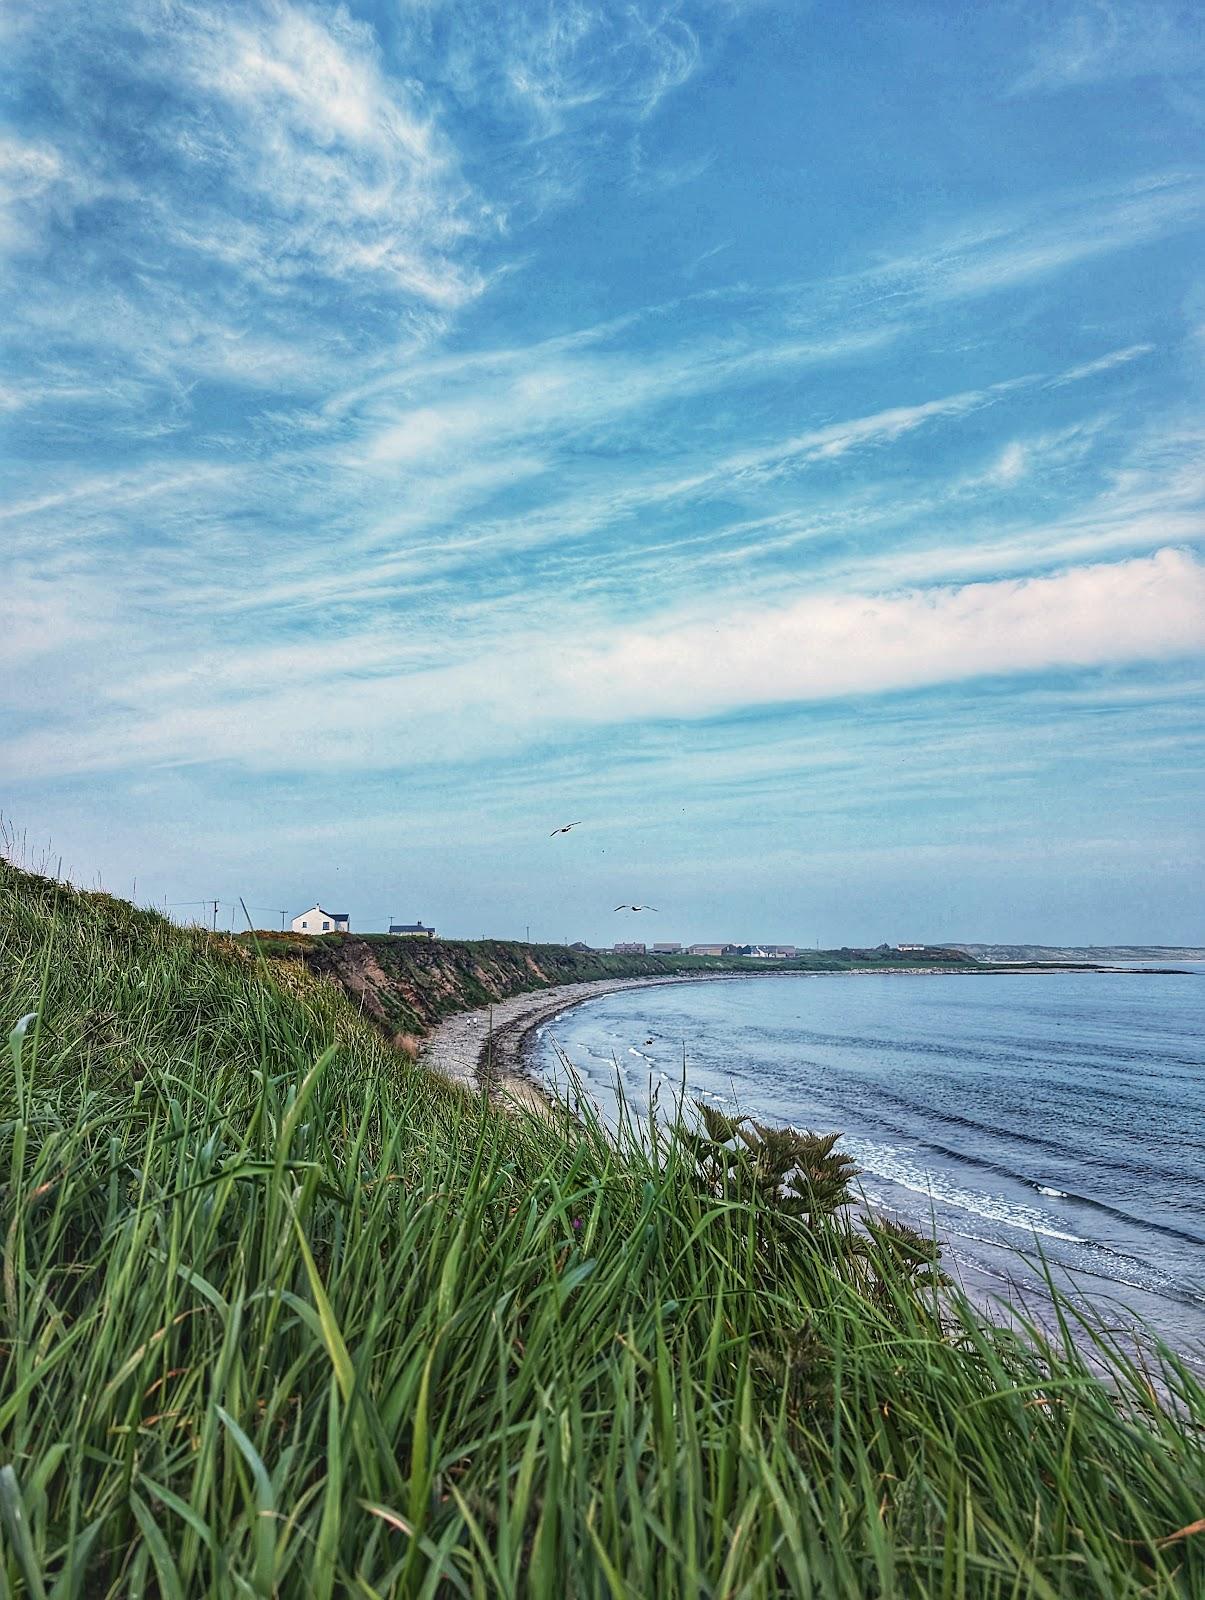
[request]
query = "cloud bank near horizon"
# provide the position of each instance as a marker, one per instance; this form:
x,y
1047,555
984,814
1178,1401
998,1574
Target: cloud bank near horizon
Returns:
x,y
276,709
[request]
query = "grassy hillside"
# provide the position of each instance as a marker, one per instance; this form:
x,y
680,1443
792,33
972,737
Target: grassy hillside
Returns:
x,y
281,1315
406,986
1073,955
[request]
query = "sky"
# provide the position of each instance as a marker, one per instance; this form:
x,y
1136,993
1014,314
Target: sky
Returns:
x,y
767,435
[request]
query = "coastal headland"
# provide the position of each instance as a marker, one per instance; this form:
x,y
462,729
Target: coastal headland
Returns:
x,y
467,1007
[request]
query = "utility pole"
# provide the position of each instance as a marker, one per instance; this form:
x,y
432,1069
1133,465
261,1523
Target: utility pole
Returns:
x,y
527,931
215,916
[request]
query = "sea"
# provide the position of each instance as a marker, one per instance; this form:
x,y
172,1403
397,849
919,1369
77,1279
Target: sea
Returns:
x,y
1040,1123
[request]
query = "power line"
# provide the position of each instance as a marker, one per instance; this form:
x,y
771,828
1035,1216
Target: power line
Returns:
x,y
213,907
277,911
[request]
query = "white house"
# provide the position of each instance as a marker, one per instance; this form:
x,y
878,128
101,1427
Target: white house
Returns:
x,y
316,920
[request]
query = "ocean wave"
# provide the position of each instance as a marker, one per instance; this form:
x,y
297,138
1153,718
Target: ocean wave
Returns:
x,y
887,1163
1109,1160
1141,1223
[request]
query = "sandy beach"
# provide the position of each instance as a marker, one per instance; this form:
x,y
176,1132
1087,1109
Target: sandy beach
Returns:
x,y
488,1047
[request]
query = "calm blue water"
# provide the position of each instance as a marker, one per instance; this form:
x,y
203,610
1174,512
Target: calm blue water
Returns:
x,y
1065,1110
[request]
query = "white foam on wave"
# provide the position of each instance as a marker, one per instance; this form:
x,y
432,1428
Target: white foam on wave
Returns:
x,y
1055,1194
887,1162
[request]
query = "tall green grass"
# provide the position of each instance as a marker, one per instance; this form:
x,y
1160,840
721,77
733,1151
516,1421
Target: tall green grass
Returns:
x,y
281,1314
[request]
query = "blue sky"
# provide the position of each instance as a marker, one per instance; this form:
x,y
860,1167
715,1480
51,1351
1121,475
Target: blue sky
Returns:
x,y
771,434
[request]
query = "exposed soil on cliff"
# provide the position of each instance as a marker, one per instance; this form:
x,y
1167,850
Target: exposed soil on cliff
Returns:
x,y
408,986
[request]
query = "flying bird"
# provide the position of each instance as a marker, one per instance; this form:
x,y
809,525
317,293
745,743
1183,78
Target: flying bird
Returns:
x,y
565,829
634,908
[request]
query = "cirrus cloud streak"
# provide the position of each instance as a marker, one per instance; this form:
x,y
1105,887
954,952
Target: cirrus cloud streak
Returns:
x,y
816,647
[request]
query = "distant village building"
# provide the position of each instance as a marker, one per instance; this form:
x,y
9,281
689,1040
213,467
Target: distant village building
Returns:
x,y
912,947
630,948
411,930
667,949
766,952
316,920
712,949
579,944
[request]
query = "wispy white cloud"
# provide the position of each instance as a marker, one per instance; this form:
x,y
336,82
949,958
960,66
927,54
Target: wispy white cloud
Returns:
x,y
1018,248
651,176
27,169
113,490
351,174
556,63
296,207
1097,41
36,184
818,647
532,412
562,391
1105,363
836,439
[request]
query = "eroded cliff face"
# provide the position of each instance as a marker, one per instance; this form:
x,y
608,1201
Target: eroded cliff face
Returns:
x,y
406,986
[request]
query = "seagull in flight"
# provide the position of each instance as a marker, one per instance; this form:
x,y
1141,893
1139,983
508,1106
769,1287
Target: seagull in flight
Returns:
x,y
565,829
634,908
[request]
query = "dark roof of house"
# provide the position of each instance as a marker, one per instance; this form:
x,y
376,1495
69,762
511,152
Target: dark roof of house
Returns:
x,y
336,916
409,927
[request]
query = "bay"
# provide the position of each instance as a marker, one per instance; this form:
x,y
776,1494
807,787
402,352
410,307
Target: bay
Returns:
x,y
1060,1115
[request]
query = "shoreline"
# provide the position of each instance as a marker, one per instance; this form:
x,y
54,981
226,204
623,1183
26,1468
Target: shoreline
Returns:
x,y
488,1048
491,1045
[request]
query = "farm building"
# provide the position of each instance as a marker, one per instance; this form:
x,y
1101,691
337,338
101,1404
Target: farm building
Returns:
x,y
318,920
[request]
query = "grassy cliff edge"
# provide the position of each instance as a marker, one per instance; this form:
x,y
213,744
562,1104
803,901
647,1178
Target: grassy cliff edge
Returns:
x,y
281,1314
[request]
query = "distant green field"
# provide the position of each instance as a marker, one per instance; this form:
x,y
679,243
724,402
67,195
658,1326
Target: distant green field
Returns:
x,y
281,1314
